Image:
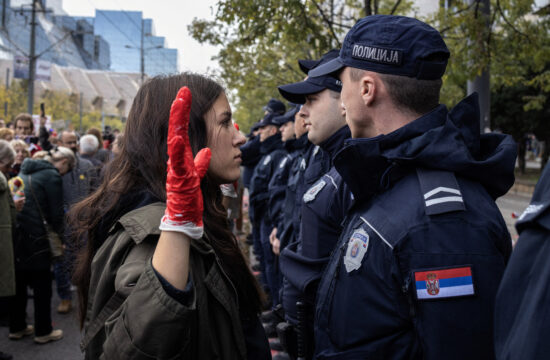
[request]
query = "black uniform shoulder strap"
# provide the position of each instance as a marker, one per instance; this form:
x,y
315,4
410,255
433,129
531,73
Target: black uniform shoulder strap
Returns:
x,y
440,191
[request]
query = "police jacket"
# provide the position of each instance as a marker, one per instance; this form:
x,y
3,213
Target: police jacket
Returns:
x,y
250,154
324,206
522,316
285,229
272,150
416,270
278,183
318,163
133,315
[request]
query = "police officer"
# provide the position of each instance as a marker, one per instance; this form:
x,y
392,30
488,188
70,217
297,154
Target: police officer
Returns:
x,y
416,270
522,319
279,181
325,203
306,170
273,151
251,156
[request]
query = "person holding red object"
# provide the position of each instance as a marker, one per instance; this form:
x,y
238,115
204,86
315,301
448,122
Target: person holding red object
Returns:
x,y
181,289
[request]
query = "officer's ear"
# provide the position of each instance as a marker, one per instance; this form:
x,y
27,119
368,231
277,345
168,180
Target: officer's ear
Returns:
x,y
368,87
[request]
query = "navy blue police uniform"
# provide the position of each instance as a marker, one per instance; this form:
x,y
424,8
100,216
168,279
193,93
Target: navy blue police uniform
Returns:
x,y
522,318
286,232
415,272
273,151
279,180
324,206
251,155
314,162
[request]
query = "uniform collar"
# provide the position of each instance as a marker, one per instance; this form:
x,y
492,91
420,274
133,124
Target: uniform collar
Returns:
x,y
271,143
336,141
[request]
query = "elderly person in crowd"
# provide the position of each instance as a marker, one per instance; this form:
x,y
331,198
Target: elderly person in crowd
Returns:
x,y
21,153
6,134
103,155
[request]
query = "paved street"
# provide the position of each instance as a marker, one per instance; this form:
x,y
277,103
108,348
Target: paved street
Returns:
x,y
64,349
67,348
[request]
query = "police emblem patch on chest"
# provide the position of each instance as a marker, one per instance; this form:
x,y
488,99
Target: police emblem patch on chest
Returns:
x,y
303,164
313,191
267,160
444,283
358,245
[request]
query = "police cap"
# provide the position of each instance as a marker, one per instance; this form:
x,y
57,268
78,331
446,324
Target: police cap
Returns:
x,y
275,106
297,92
288,116
391,44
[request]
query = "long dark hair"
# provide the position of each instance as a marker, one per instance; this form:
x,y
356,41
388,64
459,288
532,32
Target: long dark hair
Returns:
x,y
141,167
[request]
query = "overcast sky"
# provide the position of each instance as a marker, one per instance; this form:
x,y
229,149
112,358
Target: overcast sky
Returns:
x,y
170,19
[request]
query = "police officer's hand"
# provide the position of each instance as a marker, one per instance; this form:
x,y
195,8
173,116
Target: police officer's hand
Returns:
x,y
273,236
184,204
276,247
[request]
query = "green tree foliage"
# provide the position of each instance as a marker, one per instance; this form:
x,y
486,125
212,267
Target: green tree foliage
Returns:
x,y
58,105
261,41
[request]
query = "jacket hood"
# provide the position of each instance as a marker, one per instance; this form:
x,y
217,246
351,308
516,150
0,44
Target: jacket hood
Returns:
x,y
30,166
442,140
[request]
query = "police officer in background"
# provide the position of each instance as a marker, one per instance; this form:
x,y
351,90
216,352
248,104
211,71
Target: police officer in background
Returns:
x,y
272,150
251,155
416,270
522,319
279,180
324,204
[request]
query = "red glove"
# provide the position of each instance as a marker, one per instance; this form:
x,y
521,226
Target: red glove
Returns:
x,y
184,204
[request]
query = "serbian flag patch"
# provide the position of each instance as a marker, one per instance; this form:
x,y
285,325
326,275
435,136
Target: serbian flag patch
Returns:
x,y
444,283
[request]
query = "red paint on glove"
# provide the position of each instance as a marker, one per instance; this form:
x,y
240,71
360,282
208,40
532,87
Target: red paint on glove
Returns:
x,y
184,202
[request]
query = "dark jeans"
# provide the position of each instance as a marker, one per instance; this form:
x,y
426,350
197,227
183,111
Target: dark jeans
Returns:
x,y
41,282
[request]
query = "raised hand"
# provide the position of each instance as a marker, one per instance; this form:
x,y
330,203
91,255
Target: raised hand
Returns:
x,y
184,204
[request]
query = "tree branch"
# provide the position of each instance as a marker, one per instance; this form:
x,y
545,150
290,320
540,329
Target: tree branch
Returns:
x,y
327,20
508,22
394,8
367,8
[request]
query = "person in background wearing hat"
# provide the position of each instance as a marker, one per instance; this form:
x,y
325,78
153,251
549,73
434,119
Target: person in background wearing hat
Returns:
x,y
272,150
276,191
324,203
417,267
277,185
251,155
307,169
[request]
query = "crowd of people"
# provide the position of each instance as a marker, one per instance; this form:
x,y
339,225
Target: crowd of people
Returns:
x,y
42,175
374,226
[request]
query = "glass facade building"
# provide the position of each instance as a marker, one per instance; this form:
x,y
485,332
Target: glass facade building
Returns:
x,y
122,30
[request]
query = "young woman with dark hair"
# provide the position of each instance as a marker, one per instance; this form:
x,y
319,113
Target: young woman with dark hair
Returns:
x,y
181,290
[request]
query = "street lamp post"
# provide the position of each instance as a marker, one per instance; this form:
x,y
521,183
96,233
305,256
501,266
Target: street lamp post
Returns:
x,y
142,50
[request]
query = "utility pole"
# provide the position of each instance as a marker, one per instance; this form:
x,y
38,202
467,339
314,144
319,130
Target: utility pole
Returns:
x,y
32,59
482,84
80,111
7,88
142,52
